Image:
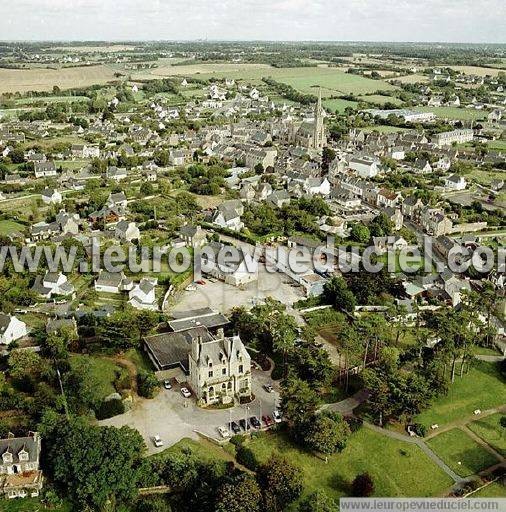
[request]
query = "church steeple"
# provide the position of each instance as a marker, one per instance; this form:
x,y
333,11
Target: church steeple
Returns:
x,y
319,128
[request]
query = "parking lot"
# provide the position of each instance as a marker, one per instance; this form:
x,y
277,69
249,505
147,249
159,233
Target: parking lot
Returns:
x,y
173,417
223,297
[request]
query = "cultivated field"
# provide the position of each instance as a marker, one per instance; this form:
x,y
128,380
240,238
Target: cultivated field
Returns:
x,y
42,79
479,71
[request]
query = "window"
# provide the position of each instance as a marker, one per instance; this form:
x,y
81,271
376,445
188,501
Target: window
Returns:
x,y
241,368
210,374
224,371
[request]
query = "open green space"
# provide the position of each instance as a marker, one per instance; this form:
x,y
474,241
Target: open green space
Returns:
x,y
481,388
339,105
491,431
7,227
461,453
397,468
379,99
103,373
493,490
459,113
31,505
50,99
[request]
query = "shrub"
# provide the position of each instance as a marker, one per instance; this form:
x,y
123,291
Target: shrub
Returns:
x,y
147,384
237,440
110,408
362,486
246,457
420,430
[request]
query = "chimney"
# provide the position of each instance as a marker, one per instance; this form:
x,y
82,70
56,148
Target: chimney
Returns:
x,y
220,333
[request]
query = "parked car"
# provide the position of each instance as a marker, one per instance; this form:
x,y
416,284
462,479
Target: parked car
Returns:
x,y
167,384
254,422
157,441
268,388
186,392
201,282
223,431
244,424
267,420
191,288
277,416
235,428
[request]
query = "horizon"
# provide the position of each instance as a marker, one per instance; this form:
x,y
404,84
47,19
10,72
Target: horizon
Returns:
x,y
432,21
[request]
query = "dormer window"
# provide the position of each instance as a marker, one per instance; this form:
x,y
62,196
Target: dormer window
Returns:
x,y
7,457
23,456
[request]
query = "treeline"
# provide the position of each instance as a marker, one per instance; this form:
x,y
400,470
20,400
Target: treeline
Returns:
x,y
288,92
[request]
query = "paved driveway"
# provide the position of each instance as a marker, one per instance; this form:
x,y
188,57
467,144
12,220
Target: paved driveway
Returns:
x,y
173,417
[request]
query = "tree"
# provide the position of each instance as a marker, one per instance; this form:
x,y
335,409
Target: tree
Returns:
x,y
318,502
17,156
94,464
147,384
360,233
326,432
242,494
298,401
23,363
281,483
337,293
362,486
147,189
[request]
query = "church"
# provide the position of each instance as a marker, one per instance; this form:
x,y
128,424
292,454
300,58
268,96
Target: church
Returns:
x,y
311,133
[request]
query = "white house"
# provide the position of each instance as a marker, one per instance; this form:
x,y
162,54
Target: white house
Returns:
x,y
365,167
51,196
455,182
44,169
112,282
316,186
11,329
127,231
142,295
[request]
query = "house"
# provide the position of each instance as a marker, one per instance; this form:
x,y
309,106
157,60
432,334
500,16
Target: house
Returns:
x,y
411,206
20,475
69,223
383,244
266,157
53,283
435,222
228,215
320,186
193,236
220,368
84,151
235,273
395,216
11,329
388,198
116,173
142,295
453,137
44,169
365,167
179,157
495,116
112,282
455,182
117,200
278,198
127,231
422,166
51,196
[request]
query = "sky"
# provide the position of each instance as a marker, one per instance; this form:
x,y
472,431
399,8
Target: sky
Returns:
x,y
471,21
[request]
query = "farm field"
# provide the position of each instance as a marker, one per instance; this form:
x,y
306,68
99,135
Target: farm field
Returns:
x,y
332,80
412,79
378,99
50,99
461,114
477,70
42,79
461,453
410,471
481,388
339,105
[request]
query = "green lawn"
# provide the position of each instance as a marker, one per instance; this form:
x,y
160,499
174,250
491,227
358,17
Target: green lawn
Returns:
x,y
202,449
481,388
494,490
379,99
30,505
51,99
9,226
490,430
398,468
104,372
461,453
497,145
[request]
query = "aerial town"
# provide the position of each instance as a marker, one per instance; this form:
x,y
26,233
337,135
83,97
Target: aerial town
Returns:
x,y
251,384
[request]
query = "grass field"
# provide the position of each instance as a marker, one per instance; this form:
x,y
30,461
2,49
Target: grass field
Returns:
x,y
397,468
490,430
50,99
497,145
379,99
477,70
41,79
481,388
461,453
458,113
338,105
8,227
30,505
